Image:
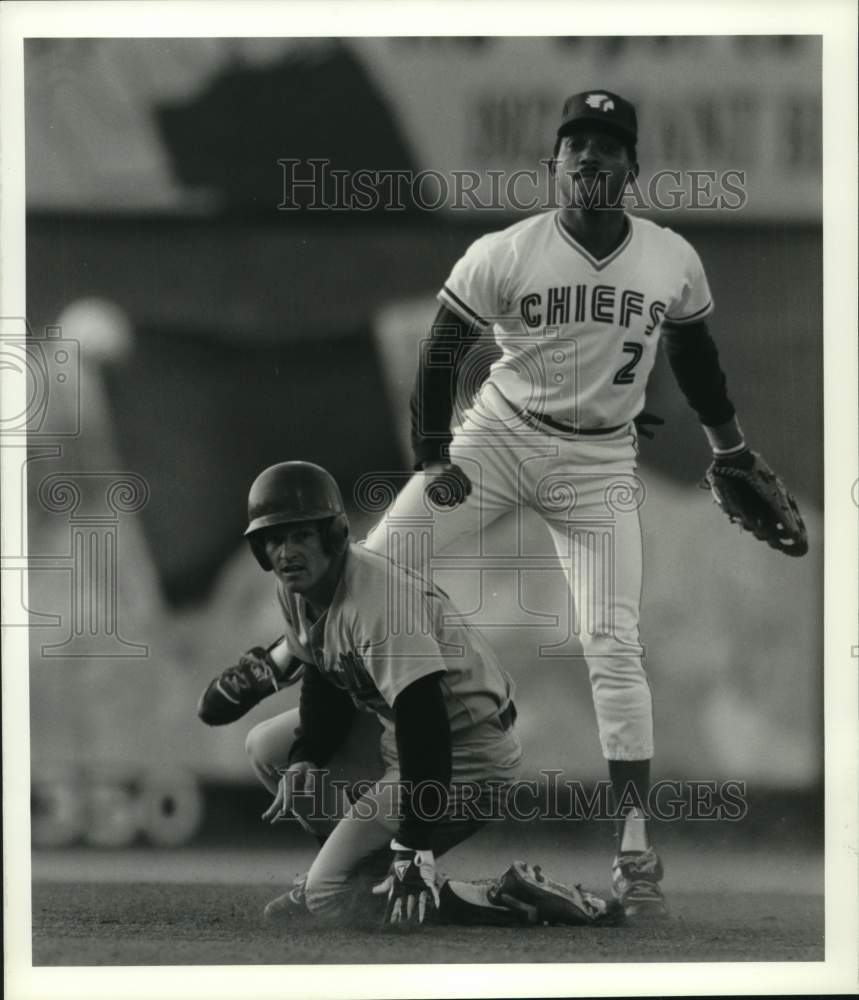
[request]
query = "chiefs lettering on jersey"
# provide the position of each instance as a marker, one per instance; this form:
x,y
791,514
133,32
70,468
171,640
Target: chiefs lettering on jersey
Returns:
x,y
578,335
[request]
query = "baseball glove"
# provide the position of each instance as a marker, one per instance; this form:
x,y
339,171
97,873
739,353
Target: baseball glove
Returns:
x,y
755,498
239,688
525,888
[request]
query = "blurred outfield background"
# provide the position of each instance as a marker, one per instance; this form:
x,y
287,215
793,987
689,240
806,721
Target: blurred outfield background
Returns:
x,y
220,334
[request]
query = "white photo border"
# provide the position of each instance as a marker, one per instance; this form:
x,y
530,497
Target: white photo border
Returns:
x,y
835,20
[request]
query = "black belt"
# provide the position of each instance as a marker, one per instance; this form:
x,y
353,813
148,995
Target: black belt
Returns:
x,y
568,428
508,716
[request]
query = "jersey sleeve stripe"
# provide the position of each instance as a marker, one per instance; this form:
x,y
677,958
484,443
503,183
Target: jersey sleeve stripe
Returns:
x,y
700,314
458,306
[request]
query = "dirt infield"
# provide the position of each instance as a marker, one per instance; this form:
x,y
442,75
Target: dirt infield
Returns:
x,y
191,924
203,906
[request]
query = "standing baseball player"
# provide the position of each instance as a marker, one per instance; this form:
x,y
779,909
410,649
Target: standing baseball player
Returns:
x,y
578,299
377,638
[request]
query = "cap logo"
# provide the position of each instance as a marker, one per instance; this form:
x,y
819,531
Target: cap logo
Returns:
x,y
600,102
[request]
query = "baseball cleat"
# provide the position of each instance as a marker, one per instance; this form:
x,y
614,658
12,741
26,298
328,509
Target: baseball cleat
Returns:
x,y
288,906
544,901
635,878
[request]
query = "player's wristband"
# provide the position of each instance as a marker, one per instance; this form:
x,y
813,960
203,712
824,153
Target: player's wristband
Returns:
x,y
425,852
730,452
744,459
726,439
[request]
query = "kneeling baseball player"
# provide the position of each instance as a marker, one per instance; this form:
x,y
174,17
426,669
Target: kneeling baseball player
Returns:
x,y
366,635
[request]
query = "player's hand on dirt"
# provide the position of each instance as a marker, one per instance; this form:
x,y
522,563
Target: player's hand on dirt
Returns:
x,y
296,778
448,485
410,886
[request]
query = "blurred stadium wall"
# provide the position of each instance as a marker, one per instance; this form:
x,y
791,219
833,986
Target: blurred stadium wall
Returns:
x,y
239,334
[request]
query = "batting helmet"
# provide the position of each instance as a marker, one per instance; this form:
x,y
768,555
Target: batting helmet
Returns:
x,y
296,491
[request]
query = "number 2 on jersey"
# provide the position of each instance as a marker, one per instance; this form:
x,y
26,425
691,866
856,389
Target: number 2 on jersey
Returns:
x,y
626,374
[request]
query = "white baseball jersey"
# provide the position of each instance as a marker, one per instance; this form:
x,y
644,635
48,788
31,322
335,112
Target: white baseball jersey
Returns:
x,y
578,335
387,627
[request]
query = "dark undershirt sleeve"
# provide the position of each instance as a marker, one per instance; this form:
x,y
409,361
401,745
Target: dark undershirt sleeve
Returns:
x,y
424,750
325,718
451,337
694,359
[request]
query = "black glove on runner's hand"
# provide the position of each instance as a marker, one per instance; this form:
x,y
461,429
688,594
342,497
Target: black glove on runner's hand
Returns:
x,y
410,886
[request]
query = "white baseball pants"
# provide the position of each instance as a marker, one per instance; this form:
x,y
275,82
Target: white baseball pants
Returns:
x,y
586,492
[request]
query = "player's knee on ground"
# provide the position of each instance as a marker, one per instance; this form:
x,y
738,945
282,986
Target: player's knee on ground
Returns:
x,y
330,899
348,899
317,895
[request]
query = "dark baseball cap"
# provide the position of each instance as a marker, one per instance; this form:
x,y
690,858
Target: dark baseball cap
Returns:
x,y
599,109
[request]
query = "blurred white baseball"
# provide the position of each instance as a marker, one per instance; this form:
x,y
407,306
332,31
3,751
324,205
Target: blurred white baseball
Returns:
x,y
102,329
